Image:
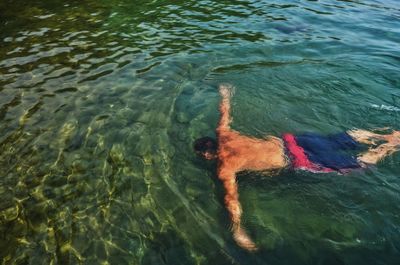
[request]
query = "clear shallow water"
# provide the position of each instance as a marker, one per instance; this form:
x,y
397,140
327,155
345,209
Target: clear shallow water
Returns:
x,y
100,102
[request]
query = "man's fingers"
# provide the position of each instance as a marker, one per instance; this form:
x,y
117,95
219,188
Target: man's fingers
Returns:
x,y
226,90
243,240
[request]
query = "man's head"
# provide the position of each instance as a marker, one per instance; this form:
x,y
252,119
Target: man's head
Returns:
x,y
206,147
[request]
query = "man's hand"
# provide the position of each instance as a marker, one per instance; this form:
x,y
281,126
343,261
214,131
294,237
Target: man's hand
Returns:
x,y
243,240
226,91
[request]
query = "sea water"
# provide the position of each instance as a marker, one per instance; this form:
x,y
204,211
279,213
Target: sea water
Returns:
x,y
100,102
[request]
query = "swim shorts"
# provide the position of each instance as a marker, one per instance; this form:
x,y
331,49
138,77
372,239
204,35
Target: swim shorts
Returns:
x,y
322,153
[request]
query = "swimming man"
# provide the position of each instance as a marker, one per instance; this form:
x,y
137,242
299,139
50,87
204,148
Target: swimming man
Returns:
x,y
236,152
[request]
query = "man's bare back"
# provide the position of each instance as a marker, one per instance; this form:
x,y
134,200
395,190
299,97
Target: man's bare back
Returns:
x,y
236,152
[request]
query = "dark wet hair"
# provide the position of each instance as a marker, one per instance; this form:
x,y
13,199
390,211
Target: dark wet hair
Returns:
x,y
205,144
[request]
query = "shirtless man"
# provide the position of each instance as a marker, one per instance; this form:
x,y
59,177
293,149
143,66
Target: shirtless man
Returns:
x,y
236,152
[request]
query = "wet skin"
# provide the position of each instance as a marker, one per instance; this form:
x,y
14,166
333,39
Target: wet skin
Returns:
x,y
237,152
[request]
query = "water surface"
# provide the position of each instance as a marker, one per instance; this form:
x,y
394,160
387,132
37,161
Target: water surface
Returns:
x,y
100,102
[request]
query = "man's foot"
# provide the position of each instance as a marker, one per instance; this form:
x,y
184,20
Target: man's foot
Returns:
x,y
393,138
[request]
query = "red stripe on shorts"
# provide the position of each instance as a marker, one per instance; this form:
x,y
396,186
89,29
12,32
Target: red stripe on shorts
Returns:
x,y
299,157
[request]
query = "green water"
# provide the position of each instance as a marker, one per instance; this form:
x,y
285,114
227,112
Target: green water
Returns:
x,y
100,102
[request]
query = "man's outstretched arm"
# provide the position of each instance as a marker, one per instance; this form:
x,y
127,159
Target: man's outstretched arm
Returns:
x,y
225,91
235,211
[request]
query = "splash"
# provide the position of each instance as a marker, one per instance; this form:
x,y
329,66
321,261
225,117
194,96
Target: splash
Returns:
x,y
385,107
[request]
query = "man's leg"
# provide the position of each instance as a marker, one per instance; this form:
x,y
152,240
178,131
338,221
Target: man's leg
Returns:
x,y
366,137
373,155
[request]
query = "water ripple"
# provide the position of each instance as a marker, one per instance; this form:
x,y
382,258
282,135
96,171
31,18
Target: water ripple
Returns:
x,y
100,102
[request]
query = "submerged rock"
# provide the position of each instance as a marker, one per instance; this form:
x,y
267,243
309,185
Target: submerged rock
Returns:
x,y
117,153
182,117
67,132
